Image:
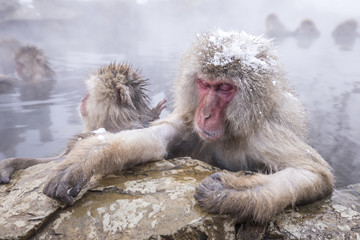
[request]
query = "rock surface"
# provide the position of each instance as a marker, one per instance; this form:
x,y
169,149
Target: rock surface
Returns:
x,y
155,201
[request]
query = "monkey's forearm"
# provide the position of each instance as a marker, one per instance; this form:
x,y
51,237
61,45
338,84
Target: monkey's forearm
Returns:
x,y
103,154
108,153
260,196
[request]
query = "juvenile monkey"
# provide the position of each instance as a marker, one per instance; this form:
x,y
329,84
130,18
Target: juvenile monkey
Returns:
x,y
234,109
116,100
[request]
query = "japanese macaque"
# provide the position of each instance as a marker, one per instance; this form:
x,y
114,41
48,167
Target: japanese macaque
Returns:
x,y
233,108
306,33
32,65
116,100
37,78
275,28
345,34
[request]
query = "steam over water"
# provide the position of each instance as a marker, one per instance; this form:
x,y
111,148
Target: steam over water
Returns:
x,y
81,36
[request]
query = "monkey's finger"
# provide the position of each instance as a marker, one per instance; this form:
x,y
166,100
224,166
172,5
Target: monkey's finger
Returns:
x,y
213,182
75,190
51,185
161,105
200,192
4,179
205,198
5,174
62,194
161,102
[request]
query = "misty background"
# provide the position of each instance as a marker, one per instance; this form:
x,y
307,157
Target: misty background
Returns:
x,y
81,36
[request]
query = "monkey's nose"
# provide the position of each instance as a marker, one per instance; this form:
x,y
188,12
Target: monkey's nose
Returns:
x,y
206,115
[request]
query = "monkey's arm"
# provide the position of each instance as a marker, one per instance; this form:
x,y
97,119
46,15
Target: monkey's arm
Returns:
x,y
108,153
10,165
300,175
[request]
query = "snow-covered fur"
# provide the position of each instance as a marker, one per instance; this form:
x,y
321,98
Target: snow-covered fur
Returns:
x,y
251,62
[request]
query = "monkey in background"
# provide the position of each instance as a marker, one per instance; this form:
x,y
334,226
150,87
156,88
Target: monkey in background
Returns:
x,y
37,78
306,33
116,100
275,28
234,109
34,75
345,34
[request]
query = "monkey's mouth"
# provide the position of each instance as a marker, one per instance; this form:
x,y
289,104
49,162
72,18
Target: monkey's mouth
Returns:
x,y
210,136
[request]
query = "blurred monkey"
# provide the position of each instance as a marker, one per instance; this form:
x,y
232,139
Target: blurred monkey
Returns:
x,y
275,28
37,78
306,33
345,34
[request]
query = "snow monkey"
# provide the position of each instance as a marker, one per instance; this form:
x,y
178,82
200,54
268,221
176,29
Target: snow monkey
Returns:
x,y
37,78
32,65
116,100
232,108
34,75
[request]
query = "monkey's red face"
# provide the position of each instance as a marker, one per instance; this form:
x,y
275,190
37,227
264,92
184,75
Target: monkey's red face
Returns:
x,y
215,95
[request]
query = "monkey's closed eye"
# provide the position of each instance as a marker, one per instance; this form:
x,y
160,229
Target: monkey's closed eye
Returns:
x,y
202,83
225,87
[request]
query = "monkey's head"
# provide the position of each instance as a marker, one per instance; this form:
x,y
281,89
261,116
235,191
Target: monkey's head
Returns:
x,y
32,66
228,84
116,98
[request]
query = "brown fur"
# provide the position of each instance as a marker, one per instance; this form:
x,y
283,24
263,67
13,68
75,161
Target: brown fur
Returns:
x,y
265,133
116,101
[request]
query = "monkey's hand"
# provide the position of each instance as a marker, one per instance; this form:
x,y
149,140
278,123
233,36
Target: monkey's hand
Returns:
x,y
156,111
66,183
7,167
226,193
